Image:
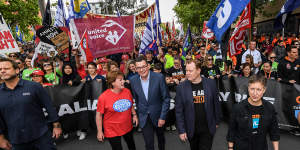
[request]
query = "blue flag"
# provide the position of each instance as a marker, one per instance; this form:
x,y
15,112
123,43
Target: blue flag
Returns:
x,y
60,14
118,12
148,42
156,28
71,14
225,14
286,9
80,8
19,34
187,45
157,11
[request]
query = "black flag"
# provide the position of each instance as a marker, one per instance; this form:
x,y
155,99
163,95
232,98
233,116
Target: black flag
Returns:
x,y
47,20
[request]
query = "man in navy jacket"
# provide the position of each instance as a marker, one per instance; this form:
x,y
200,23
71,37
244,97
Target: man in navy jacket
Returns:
x,y
152,100
23,125
197,108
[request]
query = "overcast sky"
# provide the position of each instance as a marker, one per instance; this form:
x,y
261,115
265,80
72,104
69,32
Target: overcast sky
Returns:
x,y
166,10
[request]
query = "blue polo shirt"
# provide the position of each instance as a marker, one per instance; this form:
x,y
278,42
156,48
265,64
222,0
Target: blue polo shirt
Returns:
x,y
21,112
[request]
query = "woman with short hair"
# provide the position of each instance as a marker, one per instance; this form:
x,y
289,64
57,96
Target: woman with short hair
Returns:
x,y
252,119
115,113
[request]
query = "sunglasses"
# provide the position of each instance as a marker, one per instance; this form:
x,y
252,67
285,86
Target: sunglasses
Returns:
x,y
46,65
272,57
18,63
12,56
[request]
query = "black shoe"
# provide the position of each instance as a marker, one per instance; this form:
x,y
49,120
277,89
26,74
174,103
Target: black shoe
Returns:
x,y
295,132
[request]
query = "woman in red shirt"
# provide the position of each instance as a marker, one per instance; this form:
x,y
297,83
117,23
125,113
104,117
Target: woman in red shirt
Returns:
x,y
115,112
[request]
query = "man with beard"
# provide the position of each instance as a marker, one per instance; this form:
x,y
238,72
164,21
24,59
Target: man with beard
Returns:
x,y
23,125
197,107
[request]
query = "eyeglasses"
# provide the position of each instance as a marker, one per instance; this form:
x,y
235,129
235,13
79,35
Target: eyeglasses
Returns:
x,y
272,57
46,65
18,63
13,56
143,67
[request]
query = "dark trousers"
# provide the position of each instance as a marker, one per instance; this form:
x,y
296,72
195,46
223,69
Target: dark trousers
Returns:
x,y
148,133
201,141
45,142
171,118
116,144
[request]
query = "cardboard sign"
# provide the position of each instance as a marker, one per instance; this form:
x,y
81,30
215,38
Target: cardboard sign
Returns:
x,y
61,41
7,41
54,36
46,50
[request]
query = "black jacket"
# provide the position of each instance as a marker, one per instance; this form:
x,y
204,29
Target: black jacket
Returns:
x,y
240,127
288,70
185,112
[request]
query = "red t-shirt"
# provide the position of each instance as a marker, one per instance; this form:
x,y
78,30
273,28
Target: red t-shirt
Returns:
x,y
116,110
81,71
122,67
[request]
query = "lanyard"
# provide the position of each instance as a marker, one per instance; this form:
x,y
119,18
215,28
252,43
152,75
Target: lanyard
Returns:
x,y
269,75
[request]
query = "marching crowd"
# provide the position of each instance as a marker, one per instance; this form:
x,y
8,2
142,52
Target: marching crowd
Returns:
x,y
147,78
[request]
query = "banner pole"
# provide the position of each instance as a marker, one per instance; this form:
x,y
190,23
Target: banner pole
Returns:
x,y
54,67
206,44
81,38
157,41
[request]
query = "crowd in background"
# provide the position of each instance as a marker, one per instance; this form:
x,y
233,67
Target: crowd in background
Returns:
x,y
269,55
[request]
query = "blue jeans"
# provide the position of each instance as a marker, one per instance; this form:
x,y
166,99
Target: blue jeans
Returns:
x,y
45,142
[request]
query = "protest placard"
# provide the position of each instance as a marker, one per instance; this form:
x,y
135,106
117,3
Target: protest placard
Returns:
x,y
54,36
7,41
46,50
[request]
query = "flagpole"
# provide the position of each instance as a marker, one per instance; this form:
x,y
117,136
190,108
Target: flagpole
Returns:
x,y
81,38
206,45
157,41
151,24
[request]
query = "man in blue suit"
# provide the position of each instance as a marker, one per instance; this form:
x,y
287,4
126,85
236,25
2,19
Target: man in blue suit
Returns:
x,y
152,100
197,108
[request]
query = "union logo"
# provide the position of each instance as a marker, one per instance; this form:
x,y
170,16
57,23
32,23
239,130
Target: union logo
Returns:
x,y
113,36
122,105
